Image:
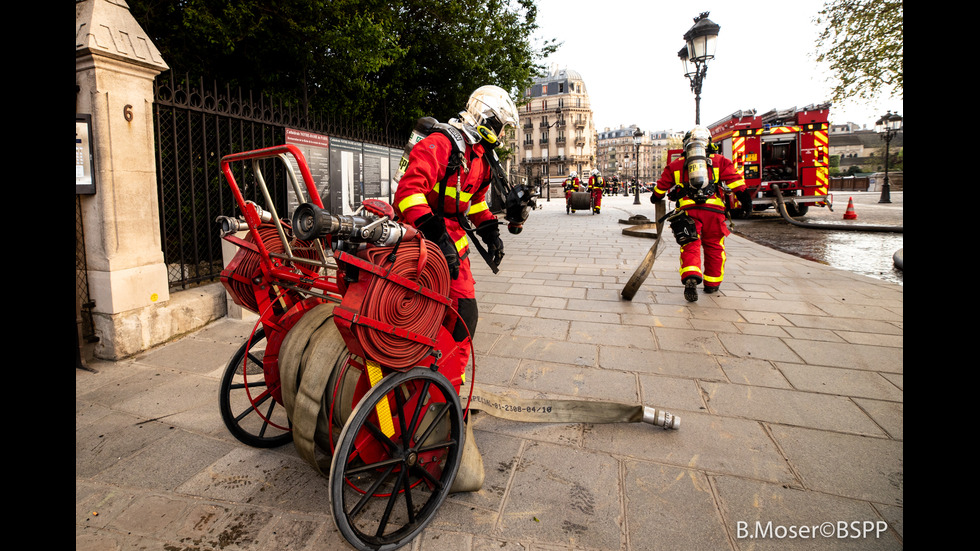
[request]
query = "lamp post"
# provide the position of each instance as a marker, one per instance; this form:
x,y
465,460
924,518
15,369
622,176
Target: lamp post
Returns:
x,y
637,138
548,166
700,40
888,126
626,175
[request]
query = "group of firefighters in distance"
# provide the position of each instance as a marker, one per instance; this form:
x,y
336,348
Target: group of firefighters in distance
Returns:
x,y
611,186
596,186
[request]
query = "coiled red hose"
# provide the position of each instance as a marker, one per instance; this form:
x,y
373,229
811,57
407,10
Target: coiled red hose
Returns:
x,y
403,308
248,264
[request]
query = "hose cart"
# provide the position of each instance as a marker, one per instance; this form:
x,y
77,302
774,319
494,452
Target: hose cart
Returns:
x,y
352,357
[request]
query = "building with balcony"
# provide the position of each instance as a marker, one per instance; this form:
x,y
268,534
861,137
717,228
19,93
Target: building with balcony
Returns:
x,y
616,153
558,131
660,142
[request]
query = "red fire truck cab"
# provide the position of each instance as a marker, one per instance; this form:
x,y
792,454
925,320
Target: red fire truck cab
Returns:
x,y
783,150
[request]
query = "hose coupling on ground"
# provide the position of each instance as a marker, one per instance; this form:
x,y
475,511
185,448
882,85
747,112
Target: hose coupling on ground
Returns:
x,y
661,418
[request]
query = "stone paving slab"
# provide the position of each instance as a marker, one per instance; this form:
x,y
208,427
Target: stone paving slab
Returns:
x,y
789,384
660,500
789,407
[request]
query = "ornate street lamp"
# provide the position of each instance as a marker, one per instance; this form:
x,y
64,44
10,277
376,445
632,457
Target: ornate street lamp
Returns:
x,y
637,138
887,126
700,40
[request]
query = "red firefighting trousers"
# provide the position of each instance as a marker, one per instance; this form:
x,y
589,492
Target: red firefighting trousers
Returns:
x,y
712,231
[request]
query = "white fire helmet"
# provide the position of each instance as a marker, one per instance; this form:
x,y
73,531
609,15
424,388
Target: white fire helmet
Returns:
x,y
490,107
698,134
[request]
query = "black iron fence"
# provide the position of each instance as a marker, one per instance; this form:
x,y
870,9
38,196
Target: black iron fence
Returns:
x,y
84,305
195,127
849,183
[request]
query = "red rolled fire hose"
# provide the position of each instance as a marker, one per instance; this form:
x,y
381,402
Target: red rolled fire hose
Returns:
x,y
397,306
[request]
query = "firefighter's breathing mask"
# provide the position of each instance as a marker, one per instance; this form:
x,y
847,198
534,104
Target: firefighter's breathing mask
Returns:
x,y
517,205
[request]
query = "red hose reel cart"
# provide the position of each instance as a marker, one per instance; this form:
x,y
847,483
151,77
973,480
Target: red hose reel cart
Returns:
x,y
351,357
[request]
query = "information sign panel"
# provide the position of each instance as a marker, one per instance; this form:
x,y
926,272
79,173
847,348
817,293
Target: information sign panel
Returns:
x,y
84,156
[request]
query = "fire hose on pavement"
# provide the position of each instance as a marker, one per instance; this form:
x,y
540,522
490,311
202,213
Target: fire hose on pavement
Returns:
x,y
646,265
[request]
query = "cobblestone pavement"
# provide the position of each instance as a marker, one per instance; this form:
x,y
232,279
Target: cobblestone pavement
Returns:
x,y
789,383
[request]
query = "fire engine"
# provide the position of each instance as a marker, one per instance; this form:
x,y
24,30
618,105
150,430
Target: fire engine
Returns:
x,y
780,151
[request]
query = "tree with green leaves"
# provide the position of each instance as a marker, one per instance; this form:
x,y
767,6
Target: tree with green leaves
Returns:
x,y
863,41
380,64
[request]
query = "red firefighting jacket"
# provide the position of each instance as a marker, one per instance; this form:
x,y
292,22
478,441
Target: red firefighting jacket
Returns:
x,y
418,194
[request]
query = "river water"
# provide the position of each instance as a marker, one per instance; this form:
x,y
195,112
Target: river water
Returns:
x,y
860,252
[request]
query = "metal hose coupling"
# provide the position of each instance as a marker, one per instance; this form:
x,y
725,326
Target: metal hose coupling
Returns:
x,y
661,418
230,225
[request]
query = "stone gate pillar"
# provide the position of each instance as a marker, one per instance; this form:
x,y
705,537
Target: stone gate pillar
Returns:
x,y
115,64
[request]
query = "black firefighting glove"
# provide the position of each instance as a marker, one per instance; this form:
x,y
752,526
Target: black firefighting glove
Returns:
x,y
433,228
489,232
656,197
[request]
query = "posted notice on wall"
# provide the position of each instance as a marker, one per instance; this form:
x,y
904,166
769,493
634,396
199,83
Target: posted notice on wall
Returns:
x,y
316,149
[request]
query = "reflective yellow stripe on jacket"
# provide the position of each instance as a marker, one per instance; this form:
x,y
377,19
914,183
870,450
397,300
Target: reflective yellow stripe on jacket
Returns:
x,y
463,196
413,200
714,200
417,199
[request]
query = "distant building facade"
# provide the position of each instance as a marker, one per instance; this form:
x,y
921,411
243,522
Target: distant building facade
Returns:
x,y
616,152
557,127
861,148
660,142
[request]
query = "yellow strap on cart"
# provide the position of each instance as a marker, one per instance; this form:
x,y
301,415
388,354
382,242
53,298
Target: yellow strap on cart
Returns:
x,y
382,408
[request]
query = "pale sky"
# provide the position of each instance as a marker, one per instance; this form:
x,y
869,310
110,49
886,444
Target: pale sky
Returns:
x,y
626,52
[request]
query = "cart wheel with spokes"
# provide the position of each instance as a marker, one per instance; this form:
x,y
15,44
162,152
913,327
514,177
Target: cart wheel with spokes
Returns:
x,y
248,406
396,459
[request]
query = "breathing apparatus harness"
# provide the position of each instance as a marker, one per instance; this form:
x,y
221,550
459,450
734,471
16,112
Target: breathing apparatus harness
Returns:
x,y
703,183
701,180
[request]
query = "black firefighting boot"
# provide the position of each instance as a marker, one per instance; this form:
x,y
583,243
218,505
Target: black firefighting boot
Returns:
x,y
691,289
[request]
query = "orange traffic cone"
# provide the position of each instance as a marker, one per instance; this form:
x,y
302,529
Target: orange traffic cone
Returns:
x,y
849,214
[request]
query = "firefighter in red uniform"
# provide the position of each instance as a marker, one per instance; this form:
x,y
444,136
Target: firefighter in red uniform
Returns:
x,y
444,188
596,184
570,184
699,182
